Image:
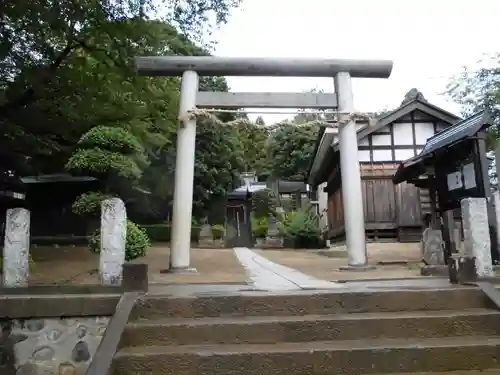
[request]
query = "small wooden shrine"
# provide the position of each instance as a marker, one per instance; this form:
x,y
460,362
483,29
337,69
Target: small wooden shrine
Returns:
x,y
453,166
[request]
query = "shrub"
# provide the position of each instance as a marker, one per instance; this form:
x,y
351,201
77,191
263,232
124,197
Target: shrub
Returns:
x,y
89,203
301,225
158,232
163,232
284,219
218,231
136,246
260,226
195,233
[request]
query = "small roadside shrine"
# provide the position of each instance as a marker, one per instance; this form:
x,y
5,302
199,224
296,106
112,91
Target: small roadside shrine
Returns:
x,y
453,166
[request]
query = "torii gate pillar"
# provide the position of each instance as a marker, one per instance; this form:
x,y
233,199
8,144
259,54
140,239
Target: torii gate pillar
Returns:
x,y
352,194
180,239
190,66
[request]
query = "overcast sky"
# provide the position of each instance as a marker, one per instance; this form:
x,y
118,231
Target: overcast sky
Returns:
x,y
428,40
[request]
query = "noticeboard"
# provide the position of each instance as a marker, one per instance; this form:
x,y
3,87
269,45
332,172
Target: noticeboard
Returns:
x,y
458,175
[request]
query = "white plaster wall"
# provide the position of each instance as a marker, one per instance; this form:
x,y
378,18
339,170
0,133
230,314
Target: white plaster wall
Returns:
x,y
423,131
403,134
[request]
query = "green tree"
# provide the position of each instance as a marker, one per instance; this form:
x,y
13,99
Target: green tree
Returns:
x,y
218,163
116,158
290,148
479,89
55,56
253,142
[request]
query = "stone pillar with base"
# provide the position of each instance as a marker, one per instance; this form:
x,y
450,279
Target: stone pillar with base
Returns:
x,y
477,244
352,196
273,238
113,241
16,248
432,253
180,247
206,237
432,247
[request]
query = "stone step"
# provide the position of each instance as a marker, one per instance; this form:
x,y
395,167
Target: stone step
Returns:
x,y
349,357
491,371
309,302
262,330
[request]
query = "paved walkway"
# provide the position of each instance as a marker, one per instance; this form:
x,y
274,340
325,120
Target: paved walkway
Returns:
x,y
399,261
266,275
263,276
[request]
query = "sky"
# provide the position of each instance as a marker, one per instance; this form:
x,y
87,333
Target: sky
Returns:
x,y
429,42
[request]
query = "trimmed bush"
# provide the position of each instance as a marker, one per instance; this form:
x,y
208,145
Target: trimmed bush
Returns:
x,y
162,232
218,231
158,232
260,226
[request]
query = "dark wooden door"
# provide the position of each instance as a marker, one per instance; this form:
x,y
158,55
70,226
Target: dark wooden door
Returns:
x,y
379,202
238,226
408,201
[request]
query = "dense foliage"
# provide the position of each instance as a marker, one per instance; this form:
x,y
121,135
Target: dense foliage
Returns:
x,y
479,89
71,100
301,227
291,147
68,65
260,226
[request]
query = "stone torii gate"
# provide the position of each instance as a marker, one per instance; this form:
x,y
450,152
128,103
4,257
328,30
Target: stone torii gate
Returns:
x,y
190,67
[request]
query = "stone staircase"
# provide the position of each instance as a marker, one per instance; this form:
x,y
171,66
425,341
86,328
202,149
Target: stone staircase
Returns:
x,y
382,332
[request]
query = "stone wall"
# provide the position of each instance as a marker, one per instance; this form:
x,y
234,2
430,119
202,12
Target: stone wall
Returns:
x,y
49,346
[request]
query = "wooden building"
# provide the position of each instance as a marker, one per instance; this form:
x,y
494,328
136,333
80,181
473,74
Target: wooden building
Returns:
x,y
389,210
49,199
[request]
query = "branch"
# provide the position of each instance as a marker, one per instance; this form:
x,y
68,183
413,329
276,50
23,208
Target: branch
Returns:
x,y
89,48
46,74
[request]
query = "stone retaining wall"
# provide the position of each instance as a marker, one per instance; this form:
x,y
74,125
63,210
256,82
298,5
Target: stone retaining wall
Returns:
x,y
49,346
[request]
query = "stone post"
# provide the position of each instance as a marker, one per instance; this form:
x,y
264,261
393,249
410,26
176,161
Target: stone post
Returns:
x,y
113,241
477,242
496,200
273,238
432,247
16,248
206,237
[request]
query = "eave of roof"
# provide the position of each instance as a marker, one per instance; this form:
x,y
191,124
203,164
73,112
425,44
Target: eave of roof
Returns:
x,y
415,166
415,104
387,118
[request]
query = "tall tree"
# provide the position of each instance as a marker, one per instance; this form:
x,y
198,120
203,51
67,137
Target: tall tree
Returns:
x,y
46,45
290,149
479,89
253,139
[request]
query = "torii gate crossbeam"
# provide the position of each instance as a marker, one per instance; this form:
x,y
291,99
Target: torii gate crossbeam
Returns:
x,y
190,67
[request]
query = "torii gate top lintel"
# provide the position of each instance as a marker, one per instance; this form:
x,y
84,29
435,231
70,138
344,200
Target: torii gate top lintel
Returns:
x,y
263,67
